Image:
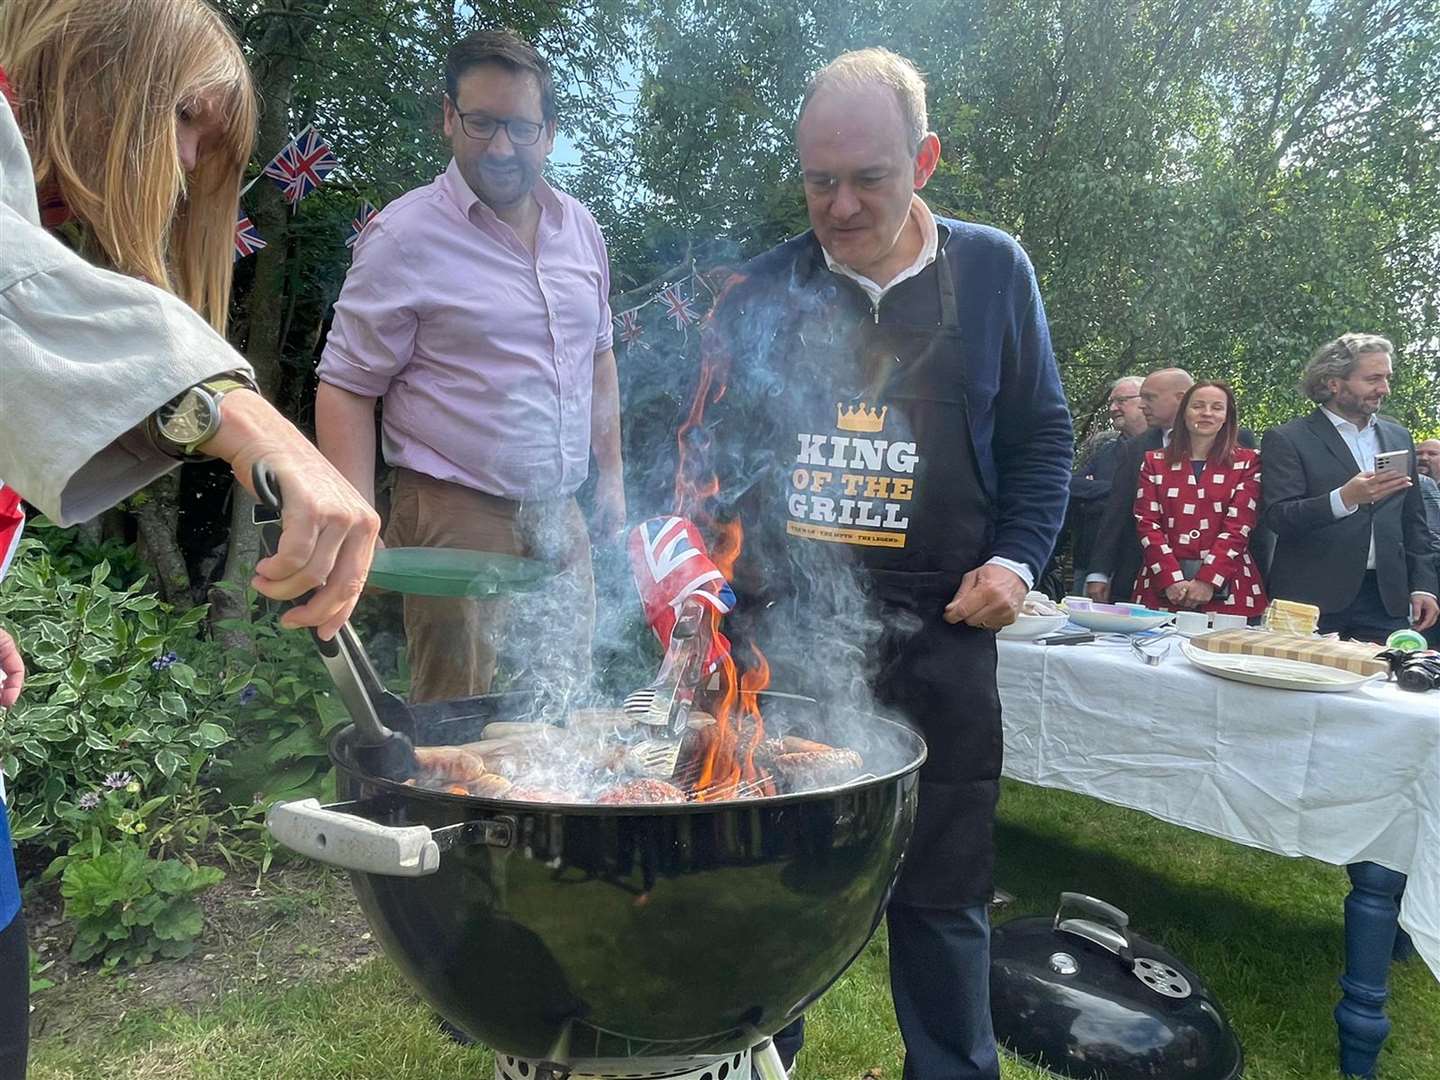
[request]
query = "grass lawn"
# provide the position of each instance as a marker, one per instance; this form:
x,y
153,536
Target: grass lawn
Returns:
x,y
1264,931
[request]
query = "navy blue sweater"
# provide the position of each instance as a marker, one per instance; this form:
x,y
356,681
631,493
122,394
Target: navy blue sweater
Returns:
x,y
1019,419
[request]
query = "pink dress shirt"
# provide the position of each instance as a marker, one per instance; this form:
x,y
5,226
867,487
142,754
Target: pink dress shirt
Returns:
x,y
484,355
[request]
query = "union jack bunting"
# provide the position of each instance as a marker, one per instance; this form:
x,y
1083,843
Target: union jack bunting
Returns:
x,y
669,563
677,306
12,525
631,328
302,165
362,218
247,237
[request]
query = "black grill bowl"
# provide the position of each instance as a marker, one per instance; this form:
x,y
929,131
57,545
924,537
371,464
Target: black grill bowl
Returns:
x,y
567,932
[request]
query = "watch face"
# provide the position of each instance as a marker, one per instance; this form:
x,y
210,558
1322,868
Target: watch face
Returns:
x,y
188,420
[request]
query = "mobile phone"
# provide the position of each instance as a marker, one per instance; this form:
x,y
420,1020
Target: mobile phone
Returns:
x,y
1393,463
1074,637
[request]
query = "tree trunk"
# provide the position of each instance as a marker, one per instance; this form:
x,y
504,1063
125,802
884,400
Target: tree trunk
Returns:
x,y
92,531
227,597
158,514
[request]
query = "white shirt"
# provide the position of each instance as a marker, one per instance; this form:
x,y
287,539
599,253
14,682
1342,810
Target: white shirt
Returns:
x,y
929,248
1364,444
87,354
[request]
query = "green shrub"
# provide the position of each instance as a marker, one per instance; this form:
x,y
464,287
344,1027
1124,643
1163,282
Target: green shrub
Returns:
x,y
38,968
283,719
110,701
75,557
129,908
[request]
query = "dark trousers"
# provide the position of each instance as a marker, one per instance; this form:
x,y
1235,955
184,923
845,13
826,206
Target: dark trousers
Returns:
x,y
1366,618
940,980
14,998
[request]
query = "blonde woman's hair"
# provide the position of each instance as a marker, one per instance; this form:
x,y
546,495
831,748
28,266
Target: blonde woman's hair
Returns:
x,y
98,85
878,67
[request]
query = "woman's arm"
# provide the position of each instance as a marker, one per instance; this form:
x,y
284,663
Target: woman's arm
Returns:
x,y
12,673
1148,510
1222,560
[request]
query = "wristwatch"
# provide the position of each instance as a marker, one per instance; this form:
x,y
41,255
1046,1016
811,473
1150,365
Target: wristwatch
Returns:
x,y
192,418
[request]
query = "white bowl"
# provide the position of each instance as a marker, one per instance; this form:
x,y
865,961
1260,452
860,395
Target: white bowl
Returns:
x,y
1105,622
1030,627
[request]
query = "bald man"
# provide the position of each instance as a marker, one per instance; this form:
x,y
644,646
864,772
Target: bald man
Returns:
x,y
1427,459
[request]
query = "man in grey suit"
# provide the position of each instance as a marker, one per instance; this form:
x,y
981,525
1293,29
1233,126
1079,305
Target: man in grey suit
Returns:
x,y
1115,556
1427,461
1350,541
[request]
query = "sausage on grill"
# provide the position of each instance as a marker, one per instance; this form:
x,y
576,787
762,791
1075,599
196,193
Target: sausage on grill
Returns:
x,y
642,791
442,765
817,769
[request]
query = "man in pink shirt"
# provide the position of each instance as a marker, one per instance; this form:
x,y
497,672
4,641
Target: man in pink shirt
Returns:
x,y
477,309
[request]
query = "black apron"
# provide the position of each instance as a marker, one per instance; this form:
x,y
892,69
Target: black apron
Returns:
x,y
881,472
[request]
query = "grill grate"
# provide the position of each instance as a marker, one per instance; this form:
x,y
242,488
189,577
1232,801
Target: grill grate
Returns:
x,y
686,778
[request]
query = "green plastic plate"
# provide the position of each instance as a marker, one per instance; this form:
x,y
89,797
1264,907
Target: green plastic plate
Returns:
x,y
420,571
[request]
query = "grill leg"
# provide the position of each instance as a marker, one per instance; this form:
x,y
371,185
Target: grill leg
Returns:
x,y
508,1069
765,1060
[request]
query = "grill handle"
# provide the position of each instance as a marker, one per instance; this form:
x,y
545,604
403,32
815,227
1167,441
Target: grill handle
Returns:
x,y
355,843
1107,925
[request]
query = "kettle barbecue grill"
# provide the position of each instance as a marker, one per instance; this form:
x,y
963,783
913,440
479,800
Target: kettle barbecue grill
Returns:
x,y
577,938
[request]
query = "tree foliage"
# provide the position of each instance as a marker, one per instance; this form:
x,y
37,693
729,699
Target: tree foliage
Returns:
x,y
1221,185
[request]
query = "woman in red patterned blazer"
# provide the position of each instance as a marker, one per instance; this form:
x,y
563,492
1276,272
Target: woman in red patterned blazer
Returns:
x,y
1197,501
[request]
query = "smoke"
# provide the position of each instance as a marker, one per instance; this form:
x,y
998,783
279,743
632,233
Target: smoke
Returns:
x,y
712,432
768,375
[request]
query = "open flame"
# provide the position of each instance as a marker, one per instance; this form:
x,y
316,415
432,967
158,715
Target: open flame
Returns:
x,y
728,755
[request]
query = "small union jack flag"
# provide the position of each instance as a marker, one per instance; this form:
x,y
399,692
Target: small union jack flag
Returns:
x,y
669,563
247,237
302,165
363,217
12,525
631,328
677,306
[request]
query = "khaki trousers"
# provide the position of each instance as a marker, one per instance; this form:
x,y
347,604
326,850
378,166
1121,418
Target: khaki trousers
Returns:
x,y
543,637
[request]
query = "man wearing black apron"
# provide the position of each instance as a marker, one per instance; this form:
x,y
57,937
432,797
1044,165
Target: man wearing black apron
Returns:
x,y
884,416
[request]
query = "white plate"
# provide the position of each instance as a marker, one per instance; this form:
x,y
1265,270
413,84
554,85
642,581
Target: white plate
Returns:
x,y
1105,622
1030,627
1275,672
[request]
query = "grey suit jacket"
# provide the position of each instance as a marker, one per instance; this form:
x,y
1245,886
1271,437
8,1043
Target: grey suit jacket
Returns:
x,y
1116,551
1320,559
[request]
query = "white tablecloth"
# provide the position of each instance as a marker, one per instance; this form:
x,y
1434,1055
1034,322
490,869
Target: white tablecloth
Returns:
x,y
1342,778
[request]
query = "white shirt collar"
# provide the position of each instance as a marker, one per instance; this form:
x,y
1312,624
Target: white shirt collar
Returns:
x,y
930,246
1340,421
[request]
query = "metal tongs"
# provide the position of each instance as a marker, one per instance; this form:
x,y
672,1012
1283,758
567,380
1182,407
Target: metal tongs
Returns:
x,y
665,704
376,712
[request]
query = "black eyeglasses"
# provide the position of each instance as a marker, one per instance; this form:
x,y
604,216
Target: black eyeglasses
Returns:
x,y
480,125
